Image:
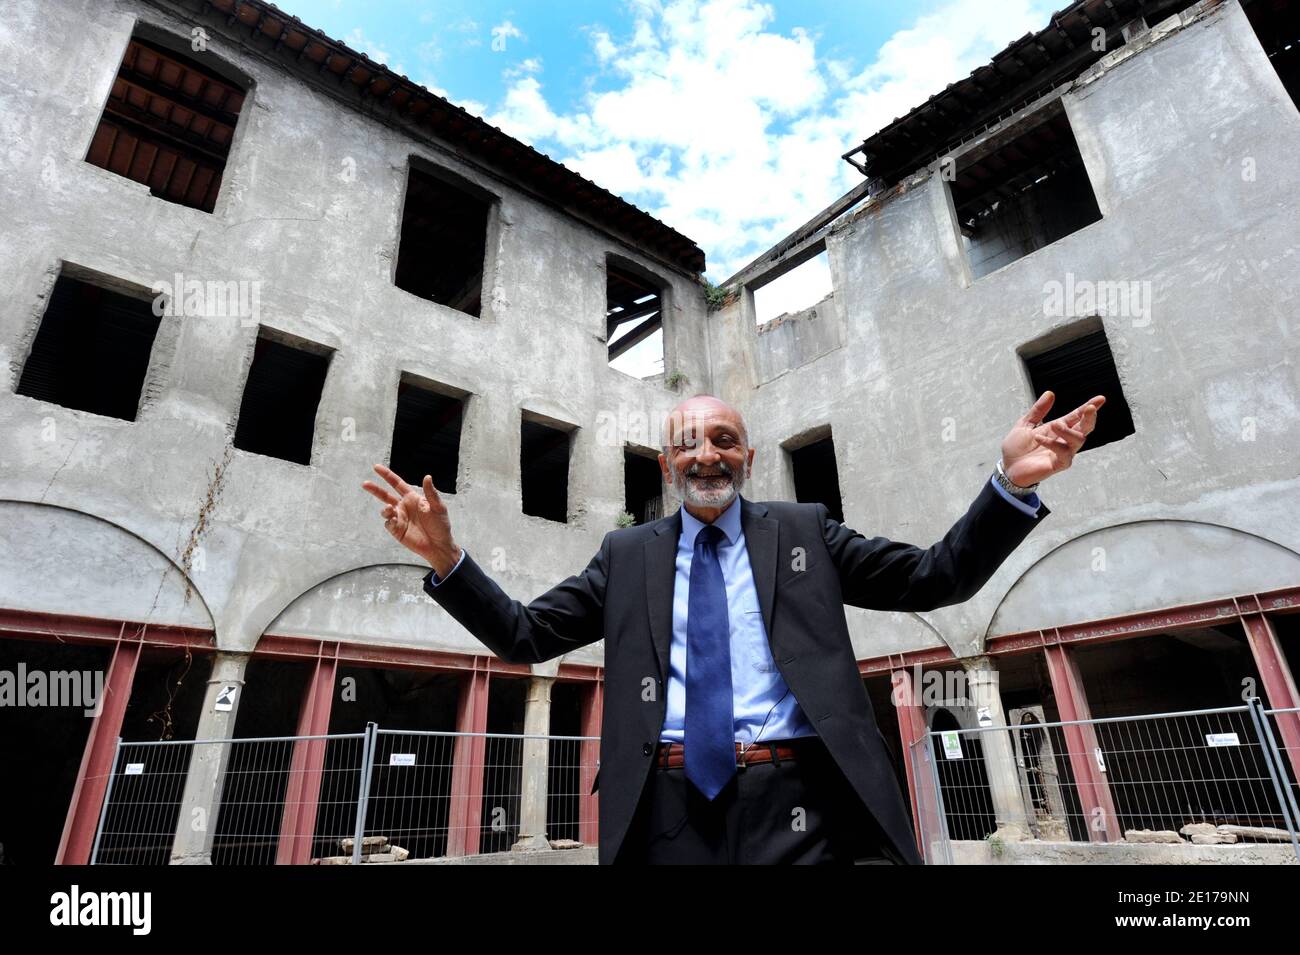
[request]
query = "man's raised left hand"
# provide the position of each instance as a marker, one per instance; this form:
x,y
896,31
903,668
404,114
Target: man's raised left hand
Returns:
x,y
1036,449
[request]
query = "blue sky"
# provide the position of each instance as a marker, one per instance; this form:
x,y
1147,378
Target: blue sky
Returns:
x,y
724,118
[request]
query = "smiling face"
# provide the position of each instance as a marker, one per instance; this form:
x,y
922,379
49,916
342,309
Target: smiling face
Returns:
x,y
706,456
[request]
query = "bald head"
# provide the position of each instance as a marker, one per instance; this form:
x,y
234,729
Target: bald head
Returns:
x,y
693,415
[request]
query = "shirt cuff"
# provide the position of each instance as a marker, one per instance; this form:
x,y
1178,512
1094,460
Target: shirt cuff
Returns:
x,y
1029,504
435,580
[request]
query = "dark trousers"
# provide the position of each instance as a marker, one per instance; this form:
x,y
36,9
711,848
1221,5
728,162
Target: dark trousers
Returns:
x,y
795,811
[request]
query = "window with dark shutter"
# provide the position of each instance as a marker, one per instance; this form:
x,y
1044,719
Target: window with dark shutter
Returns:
x,y
1077,370
277,415
92,349
426,433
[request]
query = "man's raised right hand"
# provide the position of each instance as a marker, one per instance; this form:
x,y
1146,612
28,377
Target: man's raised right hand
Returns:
x,y
417,519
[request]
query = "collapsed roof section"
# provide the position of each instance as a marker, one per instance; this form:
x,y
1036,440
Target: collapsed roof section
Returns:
x,y
1027,69
309,52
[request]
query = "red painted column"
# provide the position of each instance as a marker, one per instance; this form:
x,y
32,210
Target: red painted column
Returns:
x,y
912,729
593,705
1095,796
97,758
467,764
302,794
1279,685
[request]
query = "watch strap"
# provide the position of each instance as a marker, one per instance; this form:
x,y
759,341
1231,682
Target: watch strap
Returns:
x,y
1005,482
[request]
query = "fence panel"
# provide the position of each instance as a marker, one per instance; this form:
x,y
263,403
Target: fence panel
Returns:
x,y
281,799
1210,776
931,821
435,794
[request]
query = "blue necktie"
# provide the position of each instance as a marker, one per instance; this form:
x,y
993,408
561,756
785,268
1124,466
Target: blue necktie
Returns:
x,y
710,735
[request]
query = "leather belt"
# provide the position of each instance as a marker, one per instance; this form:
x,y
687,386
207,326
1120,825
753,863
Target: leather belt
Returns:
x,y
673,755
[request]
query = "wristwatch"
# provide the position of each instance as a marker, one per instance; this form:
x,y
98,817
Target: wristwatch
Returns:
x,y
1000,476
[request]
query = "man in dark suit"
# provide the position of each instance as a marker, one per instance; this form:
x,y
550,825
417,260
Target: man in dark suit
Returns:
x,y
764,749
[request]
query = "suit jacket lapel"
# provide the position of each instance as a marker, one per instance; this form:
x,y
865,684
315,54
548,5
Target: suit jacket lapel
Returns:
x,y
761,533
660,575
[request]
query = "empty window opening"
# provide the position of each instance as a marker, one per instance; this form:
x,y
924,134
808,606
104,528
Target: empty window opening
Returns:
x,y
797,290
92,350
168,124
426,434
277,416
47,742
633,322
816,477
443,242
423,821
643,485
1277,25
1075,371
398,699
166,701
568,814
1023,195
1163,773
544,470
503,755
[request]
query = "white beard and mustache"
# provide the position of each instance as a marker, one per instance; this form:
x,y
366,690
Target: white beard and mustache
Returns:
x,y
720,496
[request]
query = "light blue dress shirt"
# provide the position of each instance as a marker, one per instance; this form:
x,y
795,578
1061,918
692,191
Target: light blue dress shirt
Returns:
x,y
763,706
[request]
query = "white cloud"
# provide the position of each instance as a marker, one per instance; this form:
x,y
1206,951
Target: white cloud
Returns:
x,y
532,64
603,45
732,132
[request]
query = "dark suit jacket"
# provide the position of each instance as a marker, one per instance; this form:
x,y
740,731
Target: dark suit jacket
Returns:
x,y
625,595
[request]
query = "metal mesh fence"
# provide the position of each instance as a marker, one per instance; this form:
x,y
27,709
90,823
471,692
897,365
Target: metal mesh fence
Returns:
x,y
419,795
160,798
1198,777
1221,776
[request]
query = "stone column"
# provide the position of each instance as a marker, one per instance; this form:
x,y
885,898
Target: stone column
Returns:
x,y
536,764
999,759
201,800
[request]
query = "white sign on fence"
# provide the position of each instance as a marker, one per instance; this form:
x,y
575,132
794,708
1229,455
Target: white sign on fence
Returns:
x,y
1222,739
135,769
951,745
401,759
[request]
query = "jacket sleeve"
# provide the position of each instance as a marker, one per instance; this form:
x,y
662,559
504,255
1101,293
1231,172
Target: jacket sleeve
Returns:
x,y
880,574
568,616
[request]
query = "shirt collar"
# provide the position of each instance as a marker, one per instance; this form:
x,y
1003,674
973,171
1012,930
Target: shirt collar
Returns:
x,y
728,522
